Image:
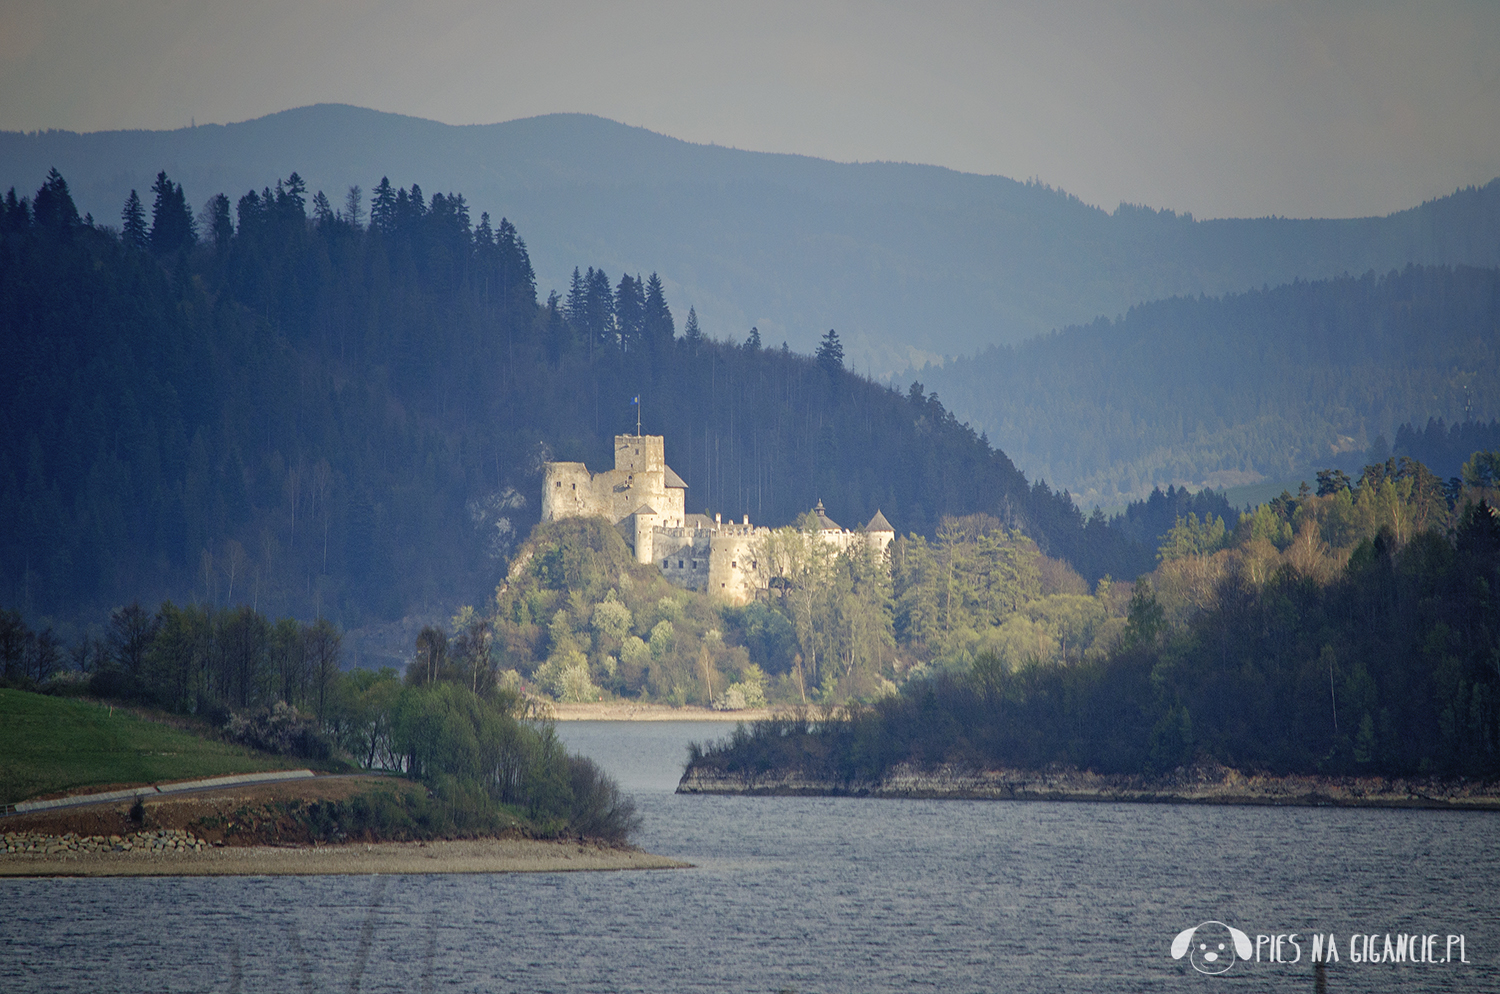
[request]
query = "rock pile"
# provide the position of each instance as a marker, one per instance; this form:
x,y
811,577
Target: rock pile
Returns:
x,y
162,840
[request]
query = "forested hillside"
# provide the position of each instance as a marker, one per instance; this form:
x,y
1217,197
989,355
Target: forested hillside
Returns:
x,y
297,410
897,256
1223,391
1444,447
1349,632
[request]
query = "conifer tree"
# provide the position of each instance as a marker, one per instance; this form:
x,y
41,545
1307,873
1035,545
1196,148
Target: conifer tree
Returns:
x,y
171,221
630,313
216,222
599,309
322,209
53,206
691,333
831,353
574,308
133,222
517,278
753,342
383,208
657,320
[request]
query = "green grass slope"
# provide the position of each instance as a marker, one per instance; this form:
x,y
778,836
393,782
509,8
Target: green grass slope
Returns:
x,y
55,744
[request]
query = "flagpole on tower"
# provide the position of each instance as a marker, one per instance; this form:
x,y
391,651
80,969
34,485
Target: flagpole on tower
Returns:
x,y
637,403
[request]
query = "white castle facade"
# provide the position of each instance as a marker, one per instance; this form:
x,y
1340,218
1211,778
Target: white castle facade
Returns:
x,y
647,502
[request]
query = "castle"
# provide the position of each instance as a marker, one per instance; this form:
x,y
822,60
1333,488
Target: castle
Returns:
x,y
647,502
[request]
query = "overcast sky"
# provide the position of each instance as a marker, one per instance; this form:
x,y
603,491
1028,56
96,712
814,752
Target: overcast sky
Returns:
x,y
1240,108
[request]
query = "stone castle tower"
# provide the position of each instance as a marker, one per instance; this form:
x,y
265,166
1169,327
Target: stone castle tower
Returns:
x,y
646,501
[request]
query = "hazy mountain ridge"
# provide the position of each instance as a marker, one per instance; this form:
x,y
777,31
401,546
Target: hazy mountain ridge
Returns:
x,y
1227,390
907,261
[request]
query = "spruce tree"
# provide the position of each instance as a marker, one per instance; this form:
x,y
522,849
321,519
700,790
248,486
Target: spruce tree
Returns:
x,y
630,313
220,228
574,308
383,208
517,278
171,222
753,342
658,318
53,208
599,308
831,353
133,222
691,333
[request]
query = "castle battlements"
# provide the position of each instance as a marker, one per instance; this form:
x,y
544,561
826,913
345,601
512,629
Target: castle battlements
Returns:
x,y
646,501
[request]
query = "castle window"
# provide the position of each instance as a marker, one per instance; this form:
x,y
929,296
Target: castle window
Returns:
x,y
559,484
663,564
734,564
679,564
575,486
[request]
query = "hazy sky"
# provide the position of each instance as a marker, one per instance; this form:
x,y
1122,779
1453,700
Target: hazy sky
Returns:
x,y
1224,109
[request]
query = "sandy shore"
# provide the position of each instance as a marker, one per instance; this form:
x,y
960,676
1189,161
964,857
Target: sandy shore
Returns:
x,y
464,856
637,711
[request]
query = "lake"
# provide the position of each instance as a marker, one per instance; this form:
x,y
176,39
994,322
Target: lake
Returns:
x,y
813,895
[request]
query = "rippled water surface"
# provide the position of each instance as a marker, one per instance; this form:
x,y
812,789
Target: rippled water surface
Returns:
x,y
806,894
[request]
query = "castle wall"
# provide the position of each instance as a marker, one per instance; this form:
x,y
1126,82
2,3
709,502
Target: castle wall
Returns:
x,y
568,491
638,480
711,557
684,554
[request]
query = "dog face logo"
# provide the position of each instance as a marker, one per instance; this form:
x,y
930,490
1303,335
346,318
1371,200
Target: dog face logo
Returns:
x,y
1212,946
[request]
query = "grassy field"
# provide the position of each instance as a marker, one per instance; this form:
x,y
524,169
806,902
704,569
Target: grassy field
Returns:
x,y
50,744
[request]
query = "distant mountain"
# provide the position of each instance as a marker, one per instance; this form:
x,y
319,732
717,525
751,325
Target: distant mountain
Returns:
x,y
906,261
1231,390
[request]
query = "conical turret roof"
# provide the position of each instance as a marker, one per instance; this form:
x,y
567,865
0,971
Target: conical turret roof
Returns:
x,y
879,524
824,521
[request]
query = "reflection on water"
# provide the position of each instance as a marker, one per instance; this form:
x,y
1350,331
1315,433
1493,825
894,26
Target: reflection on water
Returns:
x,y
809,894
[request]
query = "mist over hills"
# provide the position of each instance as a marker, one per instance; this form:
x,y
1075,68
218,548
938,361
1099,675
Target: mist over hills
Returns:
x,y
1231,390
908,262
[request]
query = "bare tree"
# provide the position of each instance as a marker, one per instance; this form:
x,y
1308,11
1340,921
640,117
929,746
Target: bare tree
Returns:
x,y
131,631
233,564
15,640
354,211
46,654
292,489
210,577
323,648
432,653
322,485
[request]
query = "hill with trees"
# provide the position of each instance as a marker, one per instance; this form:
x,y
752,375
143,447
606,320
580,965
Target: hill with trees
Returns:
x,y
1266,384
907,261
1351,632
340,410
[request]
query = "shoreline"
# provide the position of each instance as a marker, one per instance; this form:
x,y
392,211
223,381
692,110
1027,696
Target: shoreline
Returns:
x,y
642,711
354,858
1204,784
